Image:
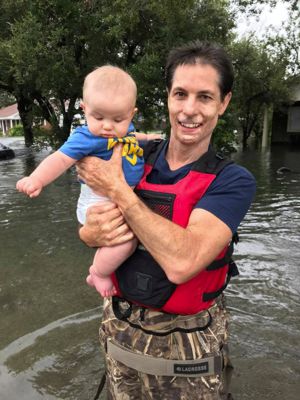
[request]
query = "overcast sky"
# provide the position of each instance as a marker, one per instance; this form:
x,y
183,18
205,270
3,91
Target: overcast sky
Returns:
x,y
269,17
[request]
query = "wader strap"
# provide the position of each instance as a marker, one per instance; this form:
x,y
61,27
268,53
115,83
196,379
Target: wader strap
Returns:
x,y
123,316
162,367
101,386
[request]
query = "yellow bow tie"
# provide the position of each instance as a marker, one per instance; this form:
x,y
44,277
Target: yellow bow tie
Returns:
x,y
131,149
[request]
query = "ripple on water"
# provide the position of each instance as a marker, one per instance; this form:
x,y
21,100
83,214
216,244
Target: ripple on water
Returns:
x,y
53,361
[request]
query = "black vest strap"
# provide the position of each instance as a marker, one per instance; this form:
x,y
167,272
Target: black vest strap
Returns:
x,y
211,162
232,271
227,257
152,150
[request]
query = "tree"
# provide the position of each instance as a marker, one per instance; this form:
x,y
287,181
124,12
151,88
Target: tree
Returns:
x,y
6,99
9,12
48,51
52,44
260,82
263,71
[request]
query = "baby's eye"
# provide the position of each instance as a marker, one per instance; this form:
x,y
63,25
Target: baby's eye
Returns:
x,y
118,120
99,118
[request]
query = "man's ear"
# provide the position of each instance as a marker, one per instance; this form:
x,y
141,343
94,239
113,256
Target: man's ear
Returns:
x,y
135,110
225,103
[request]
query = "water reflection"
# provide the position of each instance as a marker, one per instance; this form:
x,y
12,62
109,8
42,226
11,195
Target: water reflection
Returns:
x,y
44,365
49,317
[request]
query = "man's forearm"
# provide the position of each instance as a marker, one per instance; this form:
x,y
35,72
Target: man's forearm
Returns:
x,y
181,252
162,238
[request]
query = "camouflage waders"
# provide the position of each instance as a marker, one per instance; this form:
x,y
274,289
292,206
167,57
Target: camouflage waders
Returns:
x,y
124,383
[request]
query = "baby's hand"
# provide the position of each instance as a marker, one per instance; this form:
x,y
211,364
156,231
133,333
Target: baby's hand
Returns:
x,y
30,186
154,136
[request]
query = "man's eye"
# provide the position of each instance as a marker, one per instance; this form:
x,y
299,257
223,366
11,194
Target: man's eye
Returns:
x,y
179,94
205,97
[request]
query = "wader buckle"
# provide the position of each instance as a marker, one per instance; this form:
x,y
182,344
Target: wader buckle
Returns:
x,y
122,312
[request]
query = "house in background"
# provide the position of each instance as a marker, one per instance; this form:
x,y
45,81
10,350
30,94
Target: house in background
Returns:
x,y
9,117
286,119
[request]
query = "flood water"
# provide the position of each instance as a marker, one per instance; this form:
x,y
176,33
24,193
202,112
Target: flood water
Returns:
x,y
50,317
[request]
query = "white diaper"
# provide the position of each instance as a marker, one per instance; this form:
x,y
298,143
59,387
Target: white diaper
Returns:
x,y
86,199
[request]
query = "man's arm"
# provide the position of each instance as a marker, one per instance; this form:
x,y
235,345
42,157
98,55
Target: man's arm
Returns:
x,y
181,252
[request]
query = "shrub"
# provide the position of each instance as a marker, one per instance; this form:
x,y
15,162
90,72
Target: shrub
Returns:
x,y
44,138
17,130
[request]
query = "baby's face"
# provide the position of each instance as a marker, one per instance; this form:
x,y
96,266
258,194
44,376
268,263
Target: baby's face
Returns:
x,y
109,114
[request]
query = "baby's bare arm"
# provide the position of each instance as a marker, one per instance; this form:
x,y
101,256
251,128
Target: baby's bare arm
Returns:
x,y
147,136
48,170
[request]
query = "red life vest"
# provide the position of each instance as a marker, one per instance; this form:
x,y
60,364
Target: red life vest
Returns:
x,y
140,279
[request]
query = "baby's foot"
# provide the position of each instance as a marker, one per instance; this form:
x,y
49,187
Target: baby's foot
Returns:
x,y
103,285
89,280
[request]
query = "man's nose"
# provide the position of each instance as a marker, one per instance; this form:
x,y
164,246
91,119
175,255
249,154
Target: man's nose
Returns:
x,y
190,106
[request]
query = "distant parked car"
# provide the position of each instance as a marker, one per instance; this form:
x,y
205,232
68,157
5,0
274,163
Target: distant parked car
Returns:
x,y
6,153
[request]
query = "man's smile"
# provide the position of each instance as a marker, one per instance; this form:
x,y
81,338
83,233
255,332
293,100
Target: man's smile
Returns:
x,y
190,125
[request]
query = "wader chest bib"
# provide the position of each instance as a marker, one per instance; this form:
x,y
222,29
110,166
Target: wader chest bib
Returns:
x,y
140,279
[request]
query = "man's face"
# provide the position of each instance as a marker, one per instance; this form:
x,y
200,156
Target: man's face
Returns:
x,y
195,104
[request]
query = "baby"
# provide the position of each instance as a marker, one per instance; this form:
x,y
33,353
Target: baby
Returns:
x,y
109,96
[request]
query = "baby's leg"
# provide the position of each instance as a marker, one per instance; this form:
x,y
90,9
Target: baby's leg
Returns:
x,y
106,261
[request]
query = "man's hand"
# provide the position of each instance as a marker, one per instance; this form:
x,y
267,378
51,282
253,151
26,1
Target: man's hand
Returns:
x,y
103,176
105,226
30,186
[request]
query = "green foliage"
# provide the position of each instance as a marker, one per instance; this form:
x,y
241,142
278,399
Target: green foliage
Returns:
x,y
16,131
45,138
260,80
224,137
6,99
49,46
255,6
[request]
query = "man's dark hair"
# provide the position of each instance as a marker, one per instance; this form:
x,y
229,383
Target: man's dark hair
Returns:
x,y
205,53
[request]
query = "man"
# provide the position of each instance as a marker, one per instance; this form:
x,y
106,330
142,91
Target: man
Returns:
x,y
168,340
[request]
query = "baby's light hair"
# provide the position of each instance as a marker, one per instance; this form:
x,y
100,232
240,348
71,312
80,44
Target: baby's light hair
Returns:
x,y
109,77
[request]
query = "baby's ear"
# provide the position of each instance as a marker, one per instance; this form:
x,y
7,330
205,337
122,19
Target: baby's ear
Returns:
x,y
82,106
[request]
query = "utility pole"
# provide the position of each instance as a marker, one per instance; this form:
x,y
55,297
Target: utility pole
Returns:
x,y
266,127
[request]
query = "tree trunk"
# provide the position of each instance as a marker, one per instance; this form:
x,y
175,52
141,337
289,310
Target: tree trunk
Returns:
x,y
68,116
66,128
244,139
25,110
